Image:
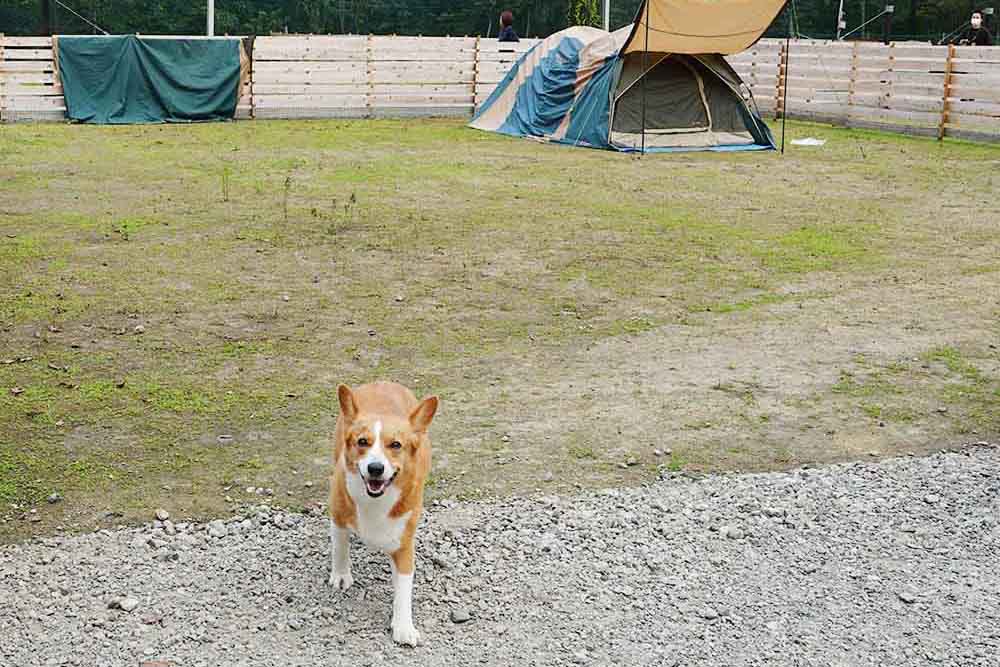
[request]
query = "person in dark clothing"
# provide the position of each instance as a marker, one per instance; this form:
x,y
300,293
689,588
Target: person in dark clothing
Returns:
x,y
507,33
976,34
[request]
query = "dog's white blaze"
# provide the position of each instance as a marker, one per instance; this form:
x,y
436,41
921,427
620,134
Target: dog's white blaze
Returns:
x,y
374,525
377,453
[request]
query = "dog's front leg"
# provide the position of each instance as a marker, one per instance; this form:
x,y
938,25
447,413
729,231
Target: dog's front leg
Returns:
x,y
403,631
340,557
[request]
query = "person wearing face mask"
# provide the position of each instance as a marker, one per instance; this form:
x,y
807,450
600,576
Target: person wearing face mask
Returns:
x,y
976,34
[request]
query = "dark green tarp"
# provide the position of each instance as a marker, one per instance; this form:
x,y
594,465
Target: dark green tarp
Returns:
x,y
130,79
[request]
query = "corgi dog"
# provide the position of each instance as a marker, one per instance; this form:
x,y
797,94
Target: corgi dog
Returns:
x,y
381,458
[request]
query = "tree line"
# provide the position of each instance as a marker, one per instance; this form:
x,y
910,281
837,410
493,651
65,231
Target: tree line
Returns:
x,y
913,19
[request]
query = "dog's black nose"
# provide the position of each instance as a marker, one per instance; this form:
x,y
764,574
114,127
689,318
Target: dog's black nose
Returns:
x,y
375,469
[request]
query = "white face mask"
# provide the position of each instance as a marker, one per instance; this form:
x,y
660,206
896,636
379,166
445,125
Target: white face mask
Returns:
x,y
977,21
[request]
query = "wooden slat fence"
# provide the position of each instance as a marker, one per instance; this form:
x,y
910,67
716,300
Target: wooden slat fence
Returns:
x,y
324,76
903,87
29,85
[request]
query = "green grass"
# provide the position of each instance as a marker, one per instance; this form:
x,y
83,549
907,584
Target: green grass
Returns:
x,y
596,301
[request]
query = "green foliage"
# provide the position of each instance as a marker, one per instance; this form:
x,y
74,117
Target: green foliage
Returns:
x,y
913,19
584,12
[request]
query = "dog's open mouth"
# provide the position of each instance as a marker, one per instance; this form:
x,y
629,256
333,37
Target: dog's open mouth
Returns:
x,y
376,487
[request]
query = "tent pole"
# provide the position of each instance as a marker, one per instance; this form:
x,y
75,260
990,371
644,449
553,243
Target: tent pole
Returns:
x,y
645,66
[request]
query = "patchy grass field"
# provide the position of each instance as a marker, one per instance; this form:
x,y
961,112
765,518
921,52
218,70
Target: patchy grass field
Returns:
x,y
180,302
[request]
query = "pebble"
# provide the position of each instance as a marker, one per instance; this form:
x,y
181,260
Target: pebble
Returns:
x,y
907,596
932,499
54,498
734,533
217,529
708,614
162,515
460,615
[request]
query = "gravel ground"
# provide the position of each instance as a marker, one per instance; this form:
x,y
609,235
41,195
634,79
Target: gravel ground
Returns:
x,y
879,563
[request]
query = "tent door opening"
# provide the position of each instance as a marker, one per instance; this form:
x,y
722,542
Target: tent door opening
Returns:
x,y
686,105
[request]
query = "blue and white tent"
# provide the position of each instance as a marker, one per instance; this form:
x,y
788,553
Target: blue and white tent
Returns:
x,y
645,87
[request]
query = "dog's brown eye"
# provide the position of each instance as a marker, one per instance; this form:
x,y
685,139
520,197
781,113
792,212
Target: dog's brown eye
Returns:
x,y
395,444
362,442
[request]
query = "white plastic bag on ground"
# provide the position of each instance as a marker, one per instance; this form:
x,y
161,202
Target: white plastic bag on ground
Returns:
x,y
808,141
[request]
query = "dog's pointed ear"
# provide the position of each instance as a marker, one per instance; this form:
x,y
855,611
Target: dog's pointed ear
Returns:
x,y
422,415
348,404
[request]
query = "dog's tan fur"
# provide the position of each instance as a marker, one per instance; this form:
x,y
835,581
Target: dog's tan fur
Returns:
x,y
401,419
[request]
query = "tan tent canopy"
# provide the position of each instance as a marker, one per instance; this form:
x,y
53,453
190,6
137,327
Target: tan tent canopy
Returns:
x,y
701,26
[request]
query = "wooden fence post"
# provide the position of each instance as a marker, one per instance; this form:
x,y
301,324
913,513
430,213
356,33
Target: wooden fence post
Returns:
x,y
852,83
475,79
945,104
370,62
779,100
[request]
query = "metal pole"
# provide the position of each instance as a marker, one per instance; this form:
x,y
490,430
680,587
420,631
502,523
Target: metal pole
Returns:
x,y
607,15
841,23
645,67
210,28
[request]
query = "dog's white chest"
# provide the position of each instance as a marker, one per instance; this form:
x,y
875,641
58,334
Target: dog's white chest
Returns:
x,y
374,525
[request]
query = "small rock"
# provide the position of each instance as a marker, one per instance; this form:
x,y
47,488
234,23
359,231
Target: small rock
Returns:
x,y
217,529
708,614
54,498
932,499
657,452
139,329
285,297
873,454
399,298
460,615
126,604
907,596
631,461
734,533
773,512
308,485
580,658
942,410
162,515
295,624
548,477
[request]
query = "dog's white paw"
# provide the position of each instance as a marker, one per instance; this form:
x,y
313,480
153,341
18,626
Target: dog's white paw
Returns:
x,y
341,581
406,635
